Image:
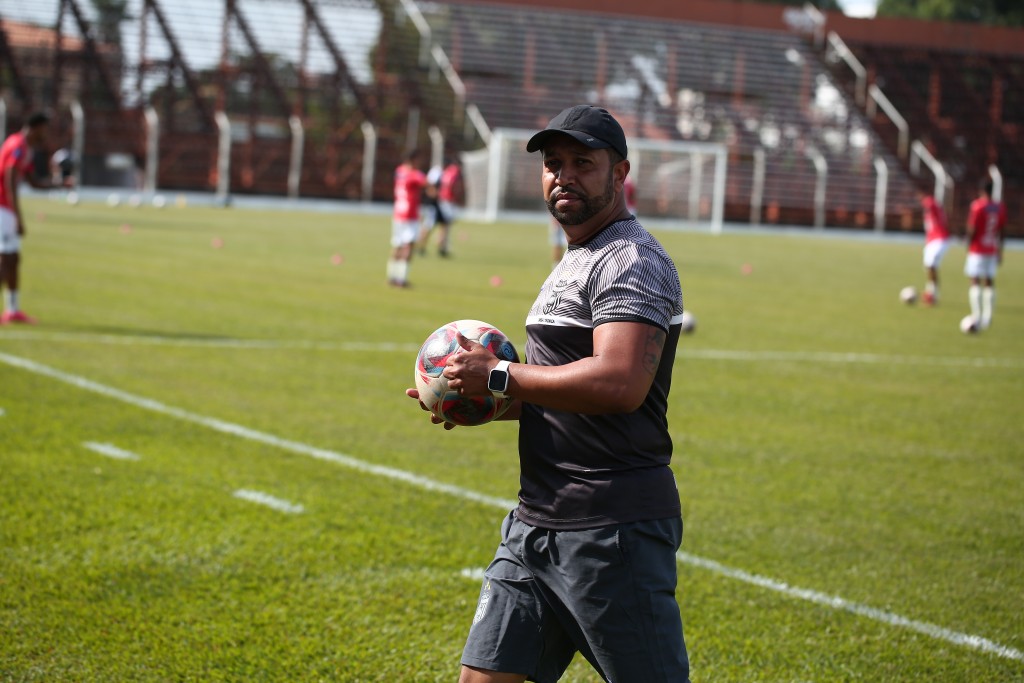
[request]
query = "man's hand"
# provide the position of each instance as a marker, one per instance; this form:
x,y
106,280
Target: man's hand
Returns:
x,y
414,393
467,371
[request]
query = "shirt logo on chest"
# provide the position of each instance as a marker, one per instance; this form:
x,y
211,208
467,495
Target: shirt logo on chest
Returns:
x,y
556,295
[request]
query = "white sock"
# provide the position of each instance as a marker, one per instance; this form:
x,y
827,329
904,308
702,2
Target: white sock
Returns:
x,y
988,300
974,297
391,270
401,271
11,300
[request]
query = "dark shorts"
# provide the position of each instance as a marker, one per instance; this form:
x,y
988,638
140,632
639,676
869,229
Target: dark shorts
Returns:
x,y
608,593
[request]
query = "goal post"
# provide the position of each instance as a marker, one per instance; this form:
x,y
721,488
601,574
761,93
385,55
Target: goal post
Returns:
x,y
678,184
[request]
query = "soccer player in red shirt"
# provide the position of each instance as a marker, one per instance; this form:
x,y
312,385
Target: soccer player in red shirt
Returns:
x,y
405,222
16,164
936,242
986,225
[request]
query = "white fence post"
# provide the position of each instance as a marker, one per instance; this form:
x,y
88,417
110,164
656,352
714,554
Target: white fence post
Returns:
x,y
223,157
77,140
881,190
757,189
369,158
295,163
821,166
152,150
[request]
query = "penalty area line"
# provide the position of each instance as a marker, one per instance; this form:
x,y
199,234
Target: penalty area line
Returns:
x,y
834,602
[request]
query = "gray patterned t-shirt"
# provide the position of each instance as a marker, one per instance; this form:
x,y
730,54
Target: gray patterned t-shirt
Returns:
x,y
583,471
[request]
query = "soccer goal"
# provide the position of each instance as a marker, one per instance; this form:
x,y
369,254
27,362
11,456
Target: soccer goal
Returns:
x,y
678,184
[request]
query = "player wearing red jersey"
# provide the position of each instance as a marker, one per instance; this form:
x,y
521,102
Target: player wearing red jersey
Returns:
x,y
16,164
405,222
986,225
936,242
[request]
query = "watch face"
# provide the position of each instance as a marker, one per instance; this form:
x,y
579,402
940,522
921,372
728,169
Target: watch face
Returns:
x,y
497,380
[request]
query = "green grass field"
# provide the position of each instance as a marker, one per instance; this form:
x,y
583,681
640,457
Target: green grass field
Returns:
x,y
852,469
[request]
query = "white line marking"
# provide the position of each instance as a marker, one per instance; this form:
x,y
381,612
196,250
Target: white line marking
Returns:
x,y
269,500
2,412
835,602
386,347
111,451
841,357
253,435
216,343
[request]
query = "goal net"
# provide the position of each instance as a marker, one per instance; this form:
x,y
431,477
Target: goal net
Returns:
x,y
678,184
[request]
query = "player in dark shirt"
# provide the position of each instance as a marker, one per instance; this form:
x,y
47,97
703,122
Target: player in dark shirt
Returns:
x,y
587,559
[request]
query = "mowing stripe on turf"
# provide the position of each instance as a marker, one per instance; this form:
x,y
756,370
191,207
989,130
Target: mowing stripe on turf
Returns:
x,y
385,347
823,599
110,451
270,501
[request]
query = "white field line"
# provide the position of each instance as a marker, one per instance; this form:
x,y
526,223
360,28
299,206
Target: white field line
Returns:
x,y
254,435
823,599
110,451
212,343
836,602
385,347
270,501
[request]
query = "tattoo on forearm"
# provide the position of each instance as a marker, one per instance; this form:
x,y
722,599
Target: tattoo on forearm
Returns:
x,y
652,352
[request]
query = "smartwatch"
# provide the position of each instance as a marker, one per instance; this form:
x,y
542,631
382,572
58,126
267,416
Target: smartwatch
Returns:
x,y
497,380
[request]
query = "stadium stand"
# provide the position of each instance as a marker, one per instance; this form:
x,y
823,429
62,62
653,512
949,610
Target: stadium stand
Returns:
x,y
378,76
750,88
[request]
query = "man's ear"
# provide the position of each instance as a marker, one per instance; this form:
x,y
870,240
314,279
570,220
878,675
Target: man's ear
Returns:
x,y
619,172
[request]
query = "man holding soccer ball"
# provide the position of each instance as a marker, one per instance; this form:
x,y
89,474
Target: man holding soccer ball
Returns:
x,y
587,560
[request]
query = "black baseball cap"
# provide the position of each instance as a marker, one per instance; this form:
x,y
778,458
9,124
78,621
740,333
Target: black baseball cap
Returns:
x,y
593,126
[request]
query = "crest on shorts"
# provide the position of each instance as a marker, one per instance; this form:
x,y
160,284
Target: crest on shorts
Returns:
x,y
481,608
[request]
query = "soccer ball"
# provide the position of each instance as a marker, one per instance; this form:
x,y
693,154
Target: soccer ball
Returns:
x,y
968,325
908,295
433,386
688,322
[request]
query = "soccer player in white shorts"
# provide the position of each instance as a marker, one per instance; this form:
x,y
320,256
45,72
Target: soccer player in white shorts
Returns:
x,y
986,223
10,240
405,220
403,232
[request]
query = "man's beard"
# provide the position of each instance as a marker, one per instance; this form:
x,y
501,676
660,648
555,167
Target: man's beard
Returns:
x,y
591,206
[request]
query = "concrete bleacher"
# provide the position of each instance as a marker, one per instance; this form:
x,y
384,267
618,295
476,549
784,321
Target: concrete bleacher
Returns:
x,y
680,80
968,109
